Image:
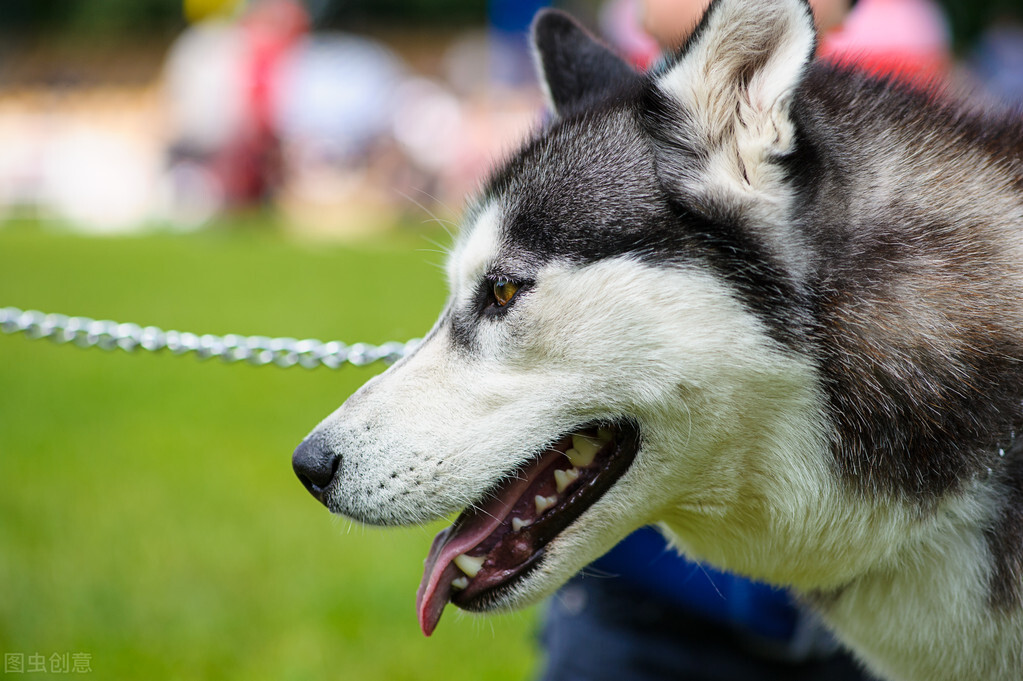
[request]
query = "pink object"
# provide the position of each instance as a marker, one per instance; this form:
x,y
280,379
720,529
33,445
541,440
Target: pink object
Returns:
x,y
619,23
905,38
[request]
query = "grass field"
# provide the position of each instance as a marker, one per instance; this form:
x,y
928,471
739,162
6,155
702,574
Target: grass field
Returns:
x,y
149,517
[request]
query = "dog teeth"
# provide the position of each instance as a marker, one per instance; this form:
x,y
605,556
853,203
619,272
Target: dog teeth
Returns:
x,y
519,523
583,450
460,583
470,565
543,503
562,479
577,459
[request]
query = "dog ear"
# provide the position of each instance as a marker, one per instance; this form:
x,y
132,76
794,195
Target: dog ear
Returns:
x,y
724,98
575,69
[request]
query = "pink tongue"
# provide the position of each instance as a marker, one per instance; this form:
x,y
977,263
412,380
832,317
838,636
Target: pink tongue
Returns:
x,y
435,588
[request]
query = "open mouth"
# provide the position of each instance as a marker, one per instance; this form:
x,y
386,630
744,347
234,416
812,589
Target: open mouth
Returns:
x,y
493,544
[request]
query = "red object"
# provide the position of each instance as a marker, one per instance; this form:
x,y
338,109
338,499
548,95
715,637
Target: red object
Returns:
x,y
250,165
271,28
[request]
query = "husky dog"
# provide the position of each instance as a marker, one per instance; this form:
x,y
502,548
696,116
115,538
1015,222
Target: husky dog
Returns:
x,y
768,303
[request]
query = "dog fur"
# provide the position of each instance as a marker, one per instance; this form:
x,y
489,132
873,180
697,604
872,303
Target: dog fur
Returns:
x,y
799,282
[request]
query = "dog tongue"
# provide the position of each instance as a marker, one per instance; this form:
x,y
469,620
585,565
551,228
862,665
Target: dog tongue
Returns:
x,y
472,527
435,589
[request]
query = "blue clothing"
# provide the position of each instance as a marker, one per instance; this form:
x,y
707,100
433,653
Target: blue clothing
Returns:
x,y
643,613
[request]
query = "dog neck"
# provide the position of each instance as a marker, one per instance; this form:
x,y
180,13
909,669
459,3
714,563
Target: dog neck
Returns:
x,y
897,615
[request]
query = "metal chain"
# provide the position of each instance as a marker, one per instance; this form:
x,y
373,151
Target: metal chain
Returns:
x,y
258,350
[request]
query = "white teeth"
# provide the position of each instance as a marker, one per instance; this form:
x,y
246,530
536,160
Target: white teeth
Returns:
x,y
470,565
460,583
562,479
519,523
577,459
583,450
543,503
586,446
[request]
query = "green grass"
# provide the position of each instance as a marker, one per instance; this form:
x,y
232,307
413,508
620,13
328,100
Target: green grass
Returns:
x,y
148,512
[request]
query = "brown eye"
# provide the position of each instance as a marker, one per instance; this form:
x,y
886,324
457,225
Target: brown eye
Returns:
x,y
504,291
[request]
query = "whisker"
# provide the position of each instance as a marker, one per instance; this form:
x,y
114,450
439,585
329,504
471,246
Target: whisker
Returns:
x,y
444,223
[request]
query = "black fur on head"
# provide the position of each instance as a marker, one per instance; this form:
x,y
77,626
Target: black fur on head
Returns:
x,y
576,70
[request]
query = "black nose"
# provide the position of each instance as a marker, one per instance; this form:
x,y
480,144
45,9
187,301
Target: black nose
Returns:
x,y
315,465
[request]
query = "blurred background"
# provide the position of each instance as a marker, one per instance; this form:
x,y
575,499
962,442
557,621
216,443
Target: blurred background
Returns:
x,y
281,168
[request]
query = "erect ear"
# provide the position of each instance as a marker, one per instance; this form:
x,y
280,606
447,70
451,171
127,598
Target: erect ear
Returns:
x,y
575,69
729,89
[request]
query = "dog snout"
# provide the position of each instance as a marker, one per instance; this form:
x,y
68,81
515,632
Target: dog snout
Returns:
x,y
315,465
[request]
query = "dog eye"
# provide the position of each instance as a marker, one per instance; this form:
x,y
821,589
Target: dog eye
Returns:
x,y
504,290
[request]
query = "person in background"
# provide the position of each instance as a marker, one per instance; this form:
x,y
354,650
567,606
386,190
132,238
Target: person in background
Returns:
x,y
220,90
644,613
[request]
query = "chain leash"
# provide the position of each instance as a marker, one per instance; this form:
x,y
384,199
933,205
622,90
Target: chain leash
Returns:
x,y
257,350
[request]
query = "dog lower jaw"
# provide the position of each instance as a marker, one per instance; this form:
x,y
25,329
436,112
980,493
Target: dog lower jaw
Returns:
x,y
492,548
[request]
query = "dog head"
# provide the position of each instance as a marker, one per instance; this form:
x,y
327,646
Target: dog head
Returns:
x,y
616,345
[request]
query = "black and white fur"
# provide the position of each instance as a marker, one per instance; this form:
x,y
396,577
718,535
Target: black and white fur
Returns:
x,y
802,283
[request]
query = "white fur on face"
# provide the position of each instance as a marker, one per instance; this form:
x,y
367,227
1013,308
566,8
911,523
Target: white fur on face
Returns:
x,y
717,403
474,253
